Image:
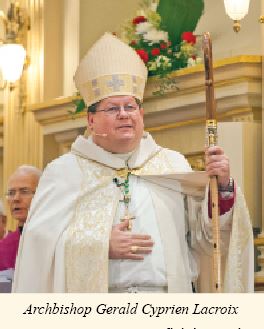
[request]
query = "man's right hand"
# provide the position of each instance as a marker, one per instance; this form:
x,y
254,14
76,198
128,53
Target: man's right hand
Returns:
x,y
124,244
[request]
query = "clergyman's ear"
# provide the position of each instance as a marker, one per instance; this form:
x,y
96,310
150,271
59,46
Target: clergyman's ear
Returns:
x,y
90,119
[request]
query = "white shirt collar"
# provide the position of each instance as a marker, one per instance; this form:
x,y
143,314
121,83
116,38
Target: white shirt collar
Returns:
x,y
86,148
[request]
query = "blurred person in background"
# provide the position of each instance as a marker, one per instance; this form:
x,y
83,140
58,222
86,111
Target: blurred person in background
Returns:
x,y
21,188
3,229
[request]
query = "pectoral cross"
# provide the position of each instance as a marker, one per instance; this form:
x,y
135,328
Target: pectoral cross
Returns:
x,y
130,219
124,173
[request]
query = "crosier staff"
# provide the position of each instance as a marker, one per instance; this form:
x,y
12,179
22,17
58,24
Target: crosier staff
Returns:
x,y
211,139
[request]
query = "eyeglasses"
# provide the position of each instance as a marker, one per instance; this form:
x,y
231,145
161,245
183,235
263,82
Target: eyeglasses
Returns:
x,y
116,109
23,191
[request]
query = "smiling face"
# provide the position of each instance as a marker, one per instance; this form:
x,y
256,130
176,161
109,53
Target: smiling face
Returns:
x,y
118,132
22,186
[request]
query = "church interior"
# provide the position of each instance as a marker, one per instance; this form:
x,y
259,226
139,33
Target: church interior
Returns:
x,y
38,116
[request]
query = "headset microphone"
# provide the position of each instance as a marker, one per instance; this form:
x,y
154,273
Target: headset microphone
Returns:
x,y
96,134
101,135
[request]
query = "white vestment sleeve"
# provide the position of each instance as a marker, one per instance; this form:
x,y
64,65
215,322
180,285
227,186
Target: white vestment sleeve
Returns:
x,y
51,210
239,270
236,239
200,225
236,244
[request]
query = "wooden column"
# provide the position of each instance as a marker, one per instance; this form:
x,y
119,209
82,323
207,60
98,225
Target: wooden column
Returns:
x,y
71,44
259,241
262,52
23,140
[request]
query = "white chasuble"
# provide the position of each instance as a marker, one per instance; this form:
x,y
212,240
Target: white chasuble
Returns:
x,y
65,242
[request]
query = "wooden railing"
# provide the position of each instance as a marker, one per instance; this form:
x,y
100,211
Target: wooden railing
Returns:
x,y
259,275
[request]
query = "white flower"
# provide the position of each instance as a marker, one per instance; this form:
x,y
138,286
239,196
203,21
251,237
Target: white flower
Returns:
x,y
144,27
152,66
191,62
154,36
163,61
162,58
178,55
154,6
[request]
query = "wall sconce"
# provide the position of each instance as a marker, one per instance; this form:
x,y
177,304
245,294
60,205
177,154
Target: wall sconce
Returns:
x,y
12,51
237,10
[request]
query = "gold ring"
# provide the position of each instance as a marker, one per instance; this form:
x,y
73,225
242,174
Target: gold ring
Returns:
x,y
134,249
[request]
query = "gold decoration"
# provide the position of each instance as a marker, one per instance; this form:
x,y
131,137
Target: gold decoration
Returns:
x,y
134,249
110,68
236,26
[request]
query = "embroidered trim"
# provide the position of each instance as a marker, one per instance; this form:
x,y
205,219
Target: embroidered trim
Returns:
x,y
87,236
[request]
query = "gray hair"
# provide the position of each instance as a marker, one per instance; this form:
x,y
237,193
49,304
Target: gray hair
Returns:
x,y
27,170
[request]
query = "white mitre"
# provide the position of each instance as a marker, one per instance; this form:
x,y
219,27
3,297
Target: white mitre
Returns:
x,y
110,68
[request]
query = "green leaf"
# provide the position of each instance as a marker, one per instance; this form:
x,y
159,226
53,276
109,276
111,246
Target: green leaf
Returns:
x,y
79,106
178,16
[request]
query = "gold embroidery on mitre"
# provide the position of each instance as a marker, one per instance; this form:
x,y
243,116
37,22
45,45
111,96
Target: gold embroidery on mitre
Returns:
x,y
114,84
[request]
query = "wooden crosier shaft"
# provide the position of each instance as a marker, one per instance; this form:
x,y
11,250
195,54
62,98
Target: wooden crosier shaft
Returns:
x,y
217,284
211,134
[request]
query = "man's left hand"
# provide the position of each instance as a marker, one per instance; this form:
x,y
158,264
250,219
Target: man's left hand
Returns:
x,y
217,164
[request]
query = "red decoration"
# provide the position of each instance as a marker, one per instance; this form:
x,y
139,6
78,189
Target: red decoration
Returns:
x,y
188,37
163,45
139,19
143,55
155,51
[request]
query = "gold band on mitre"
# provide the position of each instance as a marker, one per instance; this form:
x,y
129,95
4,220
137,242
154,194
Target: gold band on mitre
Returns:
x,y
110,68
114,85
